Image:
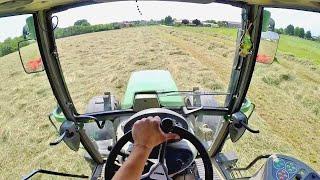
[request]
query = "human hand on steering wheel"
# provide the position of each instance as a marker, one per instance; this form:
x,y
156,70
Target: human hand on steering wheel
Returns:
x,y
148,134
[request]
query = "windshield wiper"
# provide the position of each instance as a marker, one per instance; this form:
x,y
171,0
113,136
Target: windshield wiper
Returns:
x,y
201,93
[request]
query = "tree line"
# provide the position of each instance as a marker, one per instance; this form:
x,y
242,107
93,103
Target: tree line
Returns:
x,y
169,21
295,31
82,26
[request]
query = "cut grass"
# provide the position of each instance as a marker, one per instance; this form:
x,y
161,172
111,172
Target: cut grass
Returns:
x,y
286,93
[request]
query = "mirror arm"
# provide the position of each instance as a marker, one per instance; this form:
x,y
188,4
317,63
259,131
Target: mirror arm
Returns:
x,y
249,128
55,127
57,141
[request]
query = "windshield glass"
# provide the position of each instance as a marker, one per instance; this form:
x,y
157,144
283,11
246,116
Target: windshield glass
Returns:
x,y
286,94
102,46
131,47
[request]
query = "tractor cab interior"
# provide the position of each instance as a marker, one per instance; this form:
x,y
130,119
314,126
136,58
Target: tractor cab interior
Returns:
x,y
106,75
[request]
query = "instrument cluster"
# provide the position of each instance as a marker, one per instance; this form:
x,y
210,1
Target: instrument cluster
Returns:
x,y
284,169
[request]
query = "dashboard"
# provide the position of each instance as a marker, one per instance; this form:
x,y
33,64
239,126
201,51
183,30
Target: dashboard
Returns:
x,y
284,169
281,167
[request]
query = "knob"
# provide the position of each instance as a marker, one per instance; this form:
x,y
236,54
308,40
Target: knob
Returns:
x,y
298,177
166,125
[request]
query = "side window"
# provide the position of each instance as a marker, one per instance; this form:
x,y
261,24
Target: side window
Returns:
x,y
18,37
286,92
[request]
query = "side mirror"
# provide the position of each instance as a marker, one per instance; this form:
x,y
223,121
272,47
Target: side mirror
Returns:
x,y
240,121
269,40
268,47
70,135
30,56
236,130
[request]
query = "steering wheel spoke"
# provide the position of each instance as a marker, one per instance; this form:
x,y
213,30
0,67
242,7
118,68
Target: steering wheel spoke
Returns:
x,y
157,171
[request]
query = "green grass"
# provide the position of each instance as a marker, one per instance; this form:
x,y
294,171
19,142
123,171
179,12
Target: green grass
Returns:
x,y
290,45
300,48
286,93
229,32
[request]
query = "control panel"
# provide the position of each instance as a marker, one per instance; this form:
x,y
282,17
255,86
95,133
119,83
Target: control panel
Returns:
x,y
281,167
284,169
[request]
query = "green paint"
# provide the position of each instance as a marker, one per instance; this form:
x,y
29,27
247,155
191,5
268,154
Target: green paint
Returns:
x,y
151,81
246,106
58,114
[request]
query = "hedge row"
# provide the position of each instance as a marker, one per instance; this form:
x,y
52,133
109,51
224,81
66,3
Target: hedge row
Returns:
x,y
10,45
77,30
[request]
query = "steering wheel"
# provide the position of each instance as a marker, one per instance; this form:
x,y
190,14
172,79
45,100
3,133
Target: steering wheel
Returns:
x,y
158,170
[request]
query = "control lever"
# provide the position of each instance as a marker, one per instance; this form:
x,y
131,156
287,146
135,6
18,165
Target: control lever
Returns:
x,y
43,171
166,125
251,163
57,141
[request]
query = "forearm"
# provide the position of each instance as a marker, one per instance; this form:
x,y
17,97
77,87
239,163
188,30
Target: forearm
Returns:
x,y
133,167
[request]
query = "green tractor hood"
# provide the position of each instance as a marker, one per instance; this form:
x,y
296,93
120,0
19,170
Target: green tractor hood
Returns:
x,y
152,81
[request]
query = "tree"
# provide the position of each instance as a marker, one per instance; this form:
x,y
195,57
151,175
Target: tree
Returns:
x,y
185,21
296,31
197,22
289,29
301,33
82,22
168,20
280,31
308,35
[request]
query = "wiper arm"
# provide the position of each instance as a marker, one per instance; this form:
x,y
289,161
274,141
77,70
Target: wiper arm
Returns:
x,y
175,93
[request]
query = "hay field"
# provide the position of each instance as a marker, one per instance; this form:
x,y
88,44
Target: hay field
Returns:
x,y
287,94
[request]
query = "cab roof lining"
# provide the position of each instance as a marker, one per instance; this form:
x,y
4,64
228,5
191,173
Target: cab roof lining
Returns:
x,y
15,7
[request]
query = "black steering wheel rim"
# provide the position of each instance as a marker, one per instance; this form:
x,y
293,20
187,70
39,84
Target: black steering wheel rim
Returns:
x,y
110,167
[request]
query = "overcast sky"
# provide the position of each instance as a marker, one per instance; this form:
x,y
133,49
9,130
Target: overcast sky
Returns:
x,y
120,11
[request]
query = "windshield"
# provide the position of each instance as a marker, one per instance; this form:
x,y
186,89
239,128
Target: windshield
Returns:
x,y
124,48
104,48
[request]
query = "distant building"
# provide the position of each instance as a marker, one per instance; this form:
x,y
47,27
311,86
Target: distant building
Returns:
x,y
270,36
231,24
209,24
206,24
